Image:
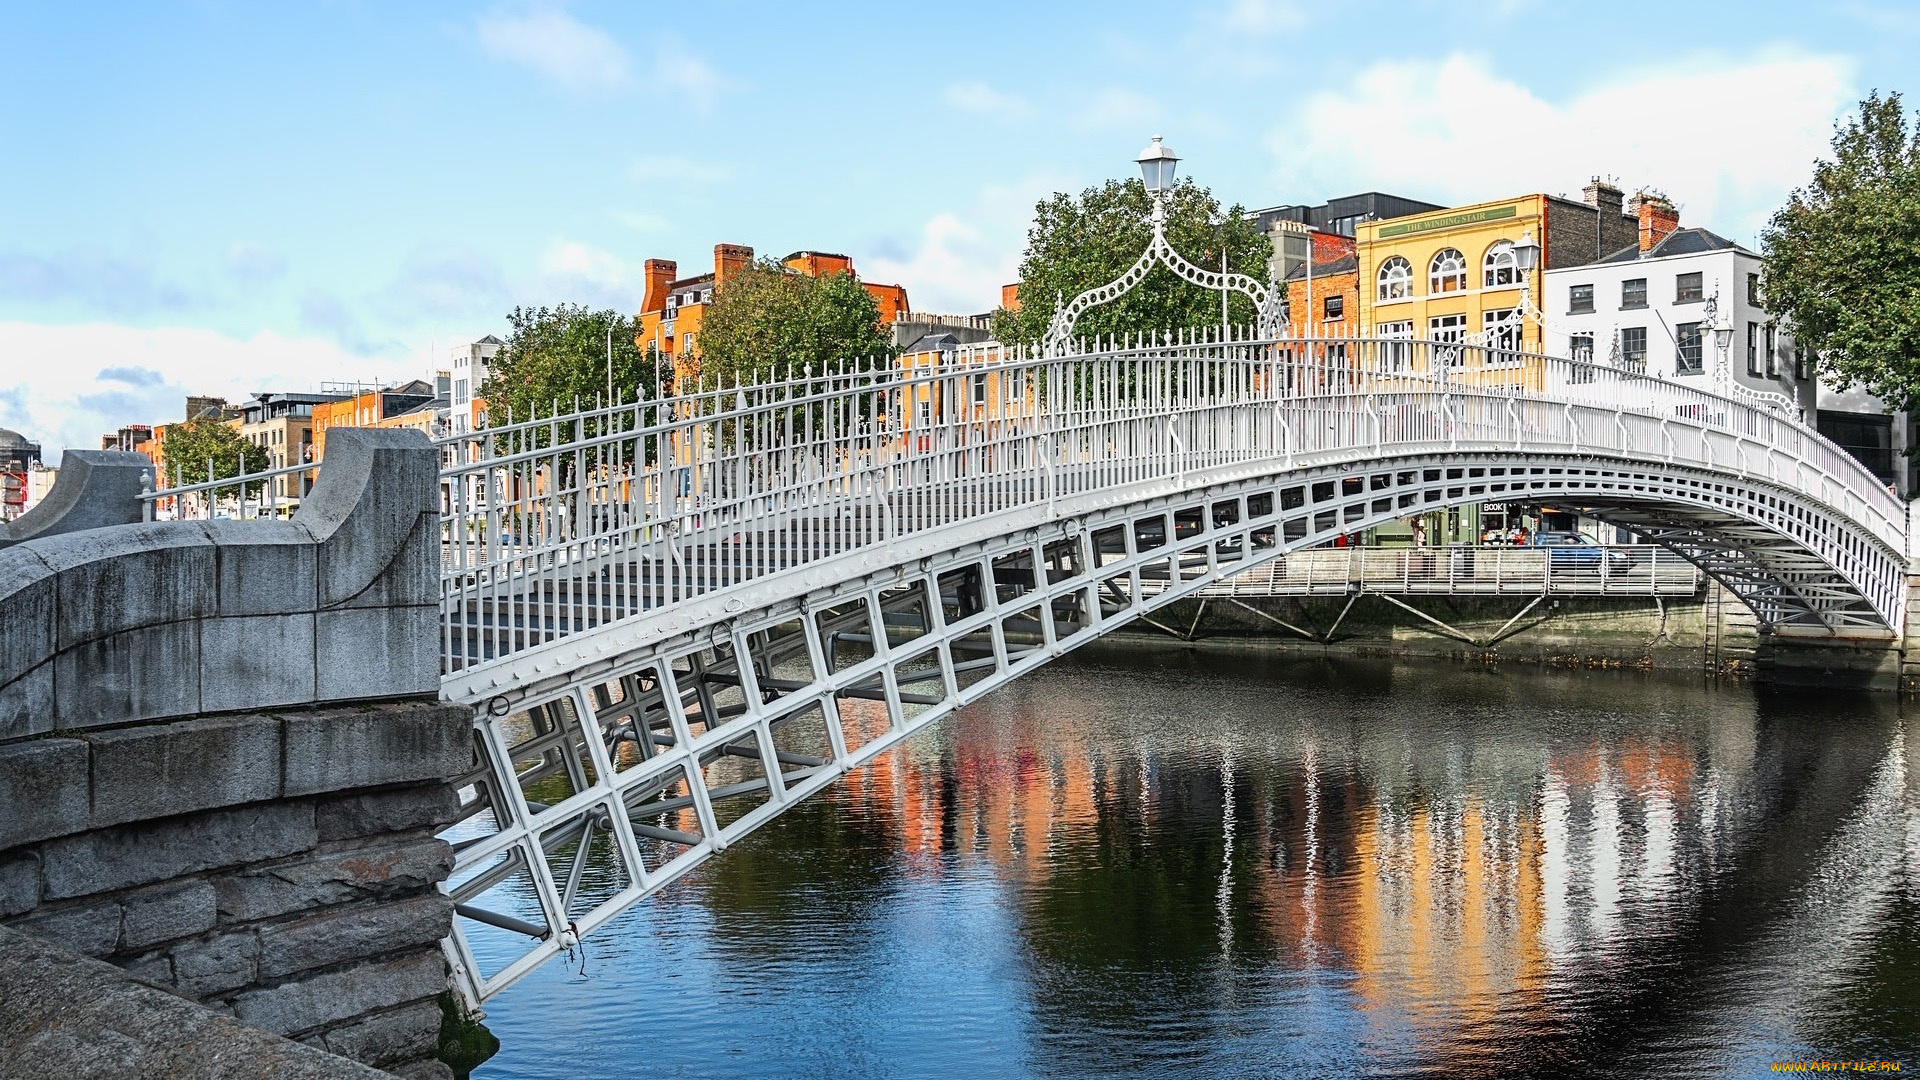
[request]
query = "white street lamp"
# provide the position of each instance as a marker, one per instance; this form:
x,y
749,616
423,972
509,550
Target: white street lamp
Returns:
x,y
1157,164
1526,253
1713,321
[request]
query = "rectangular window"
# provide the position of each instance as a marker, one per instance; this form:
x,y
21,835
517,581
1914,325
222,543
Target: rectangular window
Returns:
x,y
1447,332
1773,355
1580,300
1633,348
1687,289
1580,348
1500,330
979,389
1753,290
1334,307
1802,362
1397,348
1633,293
1753,348
1687,337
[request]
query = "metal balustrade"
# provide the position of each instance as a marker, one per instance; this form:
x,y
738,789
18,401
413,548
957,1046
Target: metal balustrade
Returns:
x,y
561,525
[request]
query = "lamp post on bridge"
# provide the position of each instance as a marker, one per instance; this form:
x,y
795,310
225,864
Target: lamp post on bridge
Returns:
x,y
1157,164
1713,320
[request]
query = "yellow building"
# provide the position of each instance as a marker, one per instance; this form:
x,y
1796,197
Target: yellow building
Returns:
x,y
1451,276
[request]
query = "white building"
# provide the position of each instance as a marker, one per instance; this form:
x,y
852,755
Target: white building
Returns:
x,y
1644,309
470,365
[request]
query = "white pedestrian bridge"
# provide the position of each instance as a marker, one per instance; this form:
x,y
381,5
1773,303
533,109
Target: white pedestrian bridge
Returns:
x,y
675,618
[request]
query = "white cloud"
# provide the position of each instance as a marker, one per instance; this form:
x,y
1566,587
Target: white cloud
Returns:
x,y
71,384
1725,139
978,97
577,260
959,259
580,273
554,44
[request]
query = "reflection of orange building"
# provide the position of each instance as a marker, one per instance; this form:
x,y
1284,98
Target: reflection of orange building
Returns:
x,y
672,308
1446,898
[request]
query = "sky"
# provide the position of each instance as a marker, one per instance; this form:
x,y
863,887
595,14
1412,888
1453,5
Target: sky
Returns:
x,y
225,197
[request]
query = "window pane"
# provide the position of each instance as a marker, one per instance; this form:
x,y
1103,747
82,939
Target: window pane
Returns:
x,y
1580,299
1688,336
1686,288
1633,293
1633,347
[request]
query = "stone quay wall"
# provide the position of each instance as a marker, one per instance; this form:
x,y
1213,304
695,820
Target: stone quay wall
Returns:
x,y
222,766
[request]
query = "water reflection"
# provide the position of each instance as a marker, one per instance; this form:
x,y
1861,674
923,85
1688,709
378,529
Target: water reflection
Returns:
x,y
1152,862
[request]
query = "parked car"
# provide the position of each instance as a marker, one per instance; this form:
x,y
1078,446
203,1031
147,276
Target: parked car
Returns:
x,y
1572,551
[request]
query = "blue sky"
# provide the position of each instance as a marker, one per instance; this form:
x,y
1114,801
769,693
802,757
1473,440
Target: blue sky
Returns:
x,y
225,197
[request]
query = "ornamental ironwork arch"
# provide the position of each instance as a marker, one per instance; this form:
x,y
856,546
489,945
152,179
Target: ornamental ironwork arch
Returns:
x,y
1266,301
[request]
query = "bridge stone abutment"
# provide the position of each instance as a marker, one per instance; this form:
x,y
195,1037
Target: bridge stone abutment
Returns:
x,y
222,766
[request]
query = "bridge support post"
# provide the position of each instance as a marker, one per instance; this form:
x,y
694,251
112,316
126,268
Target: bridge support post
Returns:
x,y
223,762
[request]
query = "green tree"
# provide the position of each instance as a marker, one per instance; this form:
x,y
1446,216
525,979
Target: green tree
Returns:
x,y
198,451
1842,257
555,357
768,319
1076,244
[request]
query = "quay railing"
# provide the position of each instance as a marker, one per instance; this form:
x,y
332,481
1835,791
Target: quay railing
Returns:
x,y
1478,570
557,525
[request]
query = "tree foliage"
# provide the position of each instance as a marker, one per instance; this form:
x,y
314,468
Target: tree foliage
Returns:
x,y
1842,257
190,447
768,319
554,357
1075,244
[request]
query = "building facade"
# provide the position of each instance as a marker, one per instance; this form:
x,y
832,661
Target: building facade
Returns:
x,y
282,425
1452,275
1644,309
468,367
368,408
672,308
1325,233
1323,300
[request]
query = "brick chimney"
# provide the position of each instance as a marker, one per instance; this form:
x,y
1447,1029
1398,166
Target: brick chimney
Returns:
x,y
1602,196
1658,219
659,274
1010,296
728,260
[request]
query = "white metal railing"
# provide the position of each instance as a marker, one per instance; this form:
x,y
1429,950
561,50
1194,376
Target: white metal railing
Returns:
x,y
557,525
1610,570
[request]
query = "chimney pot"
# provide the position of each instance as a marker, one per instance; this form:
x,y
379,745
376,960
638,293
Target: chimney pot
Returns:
x,y
1658,219
728,260
1602,196
659,274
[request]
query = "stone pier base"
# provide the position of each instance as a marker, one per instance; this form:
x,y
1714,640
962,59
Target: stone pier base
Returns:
x,y
277,867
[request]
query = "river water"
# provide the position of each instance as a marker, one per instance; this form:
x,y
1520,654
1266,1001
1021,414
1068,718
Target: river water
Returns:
x,y
1148,861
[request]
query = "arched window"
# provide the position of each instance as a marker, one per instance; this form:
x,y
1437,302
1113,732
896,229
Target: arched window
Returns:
x,y
1502,270
1447,272
1396,279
